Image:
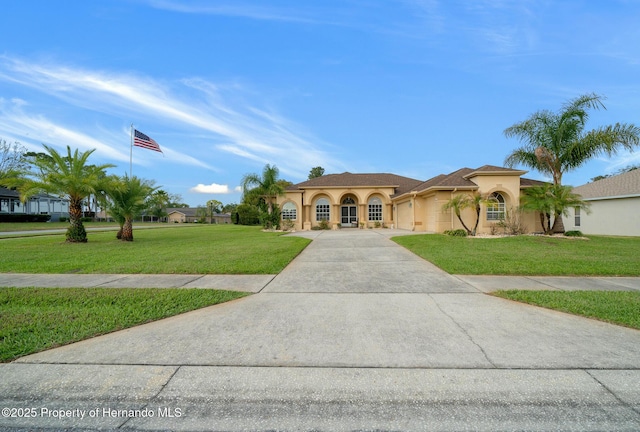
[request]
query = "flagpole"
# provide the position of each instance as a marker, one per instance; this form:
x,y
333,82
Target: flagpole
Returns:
x,y
131,153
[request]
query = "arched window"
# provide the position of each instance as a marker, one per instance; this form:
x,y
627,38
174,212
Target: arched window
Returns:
x,y
323,210
289,211
375,209
495,207
348,201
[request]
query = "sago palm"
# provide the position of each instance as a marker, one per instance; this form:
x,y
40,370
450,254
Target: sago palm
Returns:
x,y
66,176
127,199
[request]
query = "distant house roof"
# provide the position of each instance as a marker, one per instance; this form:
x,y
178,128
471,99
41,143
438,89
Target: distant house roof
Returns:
x,y
193,212
622,185
187,211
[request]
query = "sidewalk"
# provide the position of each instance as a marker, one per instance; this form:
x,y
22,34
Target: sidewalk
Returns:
x,y
356,333
256,283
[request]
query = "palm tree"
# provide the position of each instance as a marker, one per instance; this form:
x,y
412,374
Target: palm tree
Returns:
x,y
68,176
562,199
267,186
551,199
539,199
127,200
463,201
555,143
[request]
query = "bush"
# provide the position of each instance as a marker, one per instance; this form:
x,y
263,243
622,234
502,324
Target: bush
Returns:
x,y
270,220
23,217
287,225
456,233
322,225
246,214
575,233
512,222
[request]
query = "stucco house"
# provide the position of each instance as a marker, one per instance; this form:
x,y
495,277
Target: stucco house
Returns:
x,y
389,200
190,215
615,206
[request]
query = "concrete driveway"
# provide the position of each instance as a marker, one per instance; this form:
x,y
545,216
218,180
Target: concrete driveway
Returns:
x,y
355,334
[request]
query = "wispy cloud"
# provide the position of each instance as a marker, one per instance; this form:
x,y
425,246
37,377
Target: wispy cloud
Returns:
x,y
227,121
235,9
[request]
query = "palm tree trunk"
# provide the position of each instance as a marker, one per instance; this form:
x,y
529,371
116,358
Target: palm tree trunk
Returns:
x,y
127,230
463,224
76,232
558,225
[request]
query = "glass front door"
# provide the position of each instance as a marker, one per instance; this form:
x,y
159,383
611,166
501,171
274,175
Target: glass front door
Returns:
x,y
349,216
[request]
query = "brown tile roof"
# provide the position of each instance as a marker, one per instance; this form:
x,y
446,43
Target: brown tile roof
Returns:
x,y
456,179
448,181
525,182
358,180
621,185
486,169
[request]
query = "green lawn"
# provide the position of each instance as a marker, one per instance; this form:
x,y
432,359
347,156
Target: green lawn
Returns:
x,y
617,307
36,319
529,255
200,249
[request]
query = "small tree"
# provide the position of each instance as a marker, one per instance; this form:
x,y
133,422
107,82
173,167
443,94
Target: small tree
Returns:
x,y
13,163
127,200
316,172
69,176
461,202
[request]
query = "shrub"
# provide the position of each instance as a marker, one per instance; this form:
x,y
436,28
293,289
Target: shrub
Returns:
x,y
512,222
456,233
23,217
270,220
575,233
286,225
247,214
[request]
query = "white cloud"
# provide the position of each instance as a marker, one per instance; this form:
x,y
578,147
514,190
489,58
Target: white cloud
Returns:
x,y
213,188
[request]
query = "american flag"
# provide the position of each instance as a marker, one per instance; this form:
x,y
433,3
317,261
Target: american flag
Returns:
x,y
142,140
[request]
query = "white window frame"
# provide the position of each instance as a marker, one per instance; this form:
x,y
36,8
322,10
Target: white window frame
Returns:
x,y
375,209
323,210
289,211
496,207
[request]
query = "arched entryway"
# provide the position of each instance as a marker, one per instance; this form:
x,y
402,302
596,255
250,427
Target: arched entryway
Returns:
x,y
348,212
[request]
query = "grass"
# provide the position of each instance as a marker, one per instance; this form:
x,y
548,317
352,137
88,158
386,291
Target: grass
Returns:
x,y
36,319
201,249
616,307
529,255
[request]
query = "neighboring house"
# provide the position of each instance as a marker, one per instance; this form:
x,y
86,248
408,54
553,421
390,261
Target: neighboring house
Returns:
x,y
38,204
372,200
615,206
191,215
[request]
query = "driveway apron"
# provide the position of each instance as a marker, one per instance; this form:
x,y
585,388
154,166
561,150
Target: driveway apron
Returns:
x,y
354,298
355,334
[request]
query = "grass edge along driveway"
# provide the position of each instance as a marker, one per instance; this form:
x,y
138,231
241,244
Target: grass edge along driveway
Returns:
x,y
528,255
36,319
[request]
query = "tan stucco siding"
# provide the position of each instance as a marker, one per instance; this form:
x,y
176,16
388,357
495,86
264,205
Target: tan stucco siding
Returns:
x,y
404,212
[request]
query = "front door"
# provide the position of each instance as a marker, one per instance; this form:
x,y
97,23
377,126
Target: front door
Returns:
x,y
349,216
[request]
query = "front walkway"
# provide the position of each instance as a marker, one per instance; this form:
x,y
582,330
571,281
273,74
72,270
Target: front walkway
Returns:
x,y
356,333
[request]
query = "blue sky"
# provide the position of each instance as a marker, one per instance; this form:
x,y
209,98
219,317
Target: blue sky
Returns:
x,y
411,87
